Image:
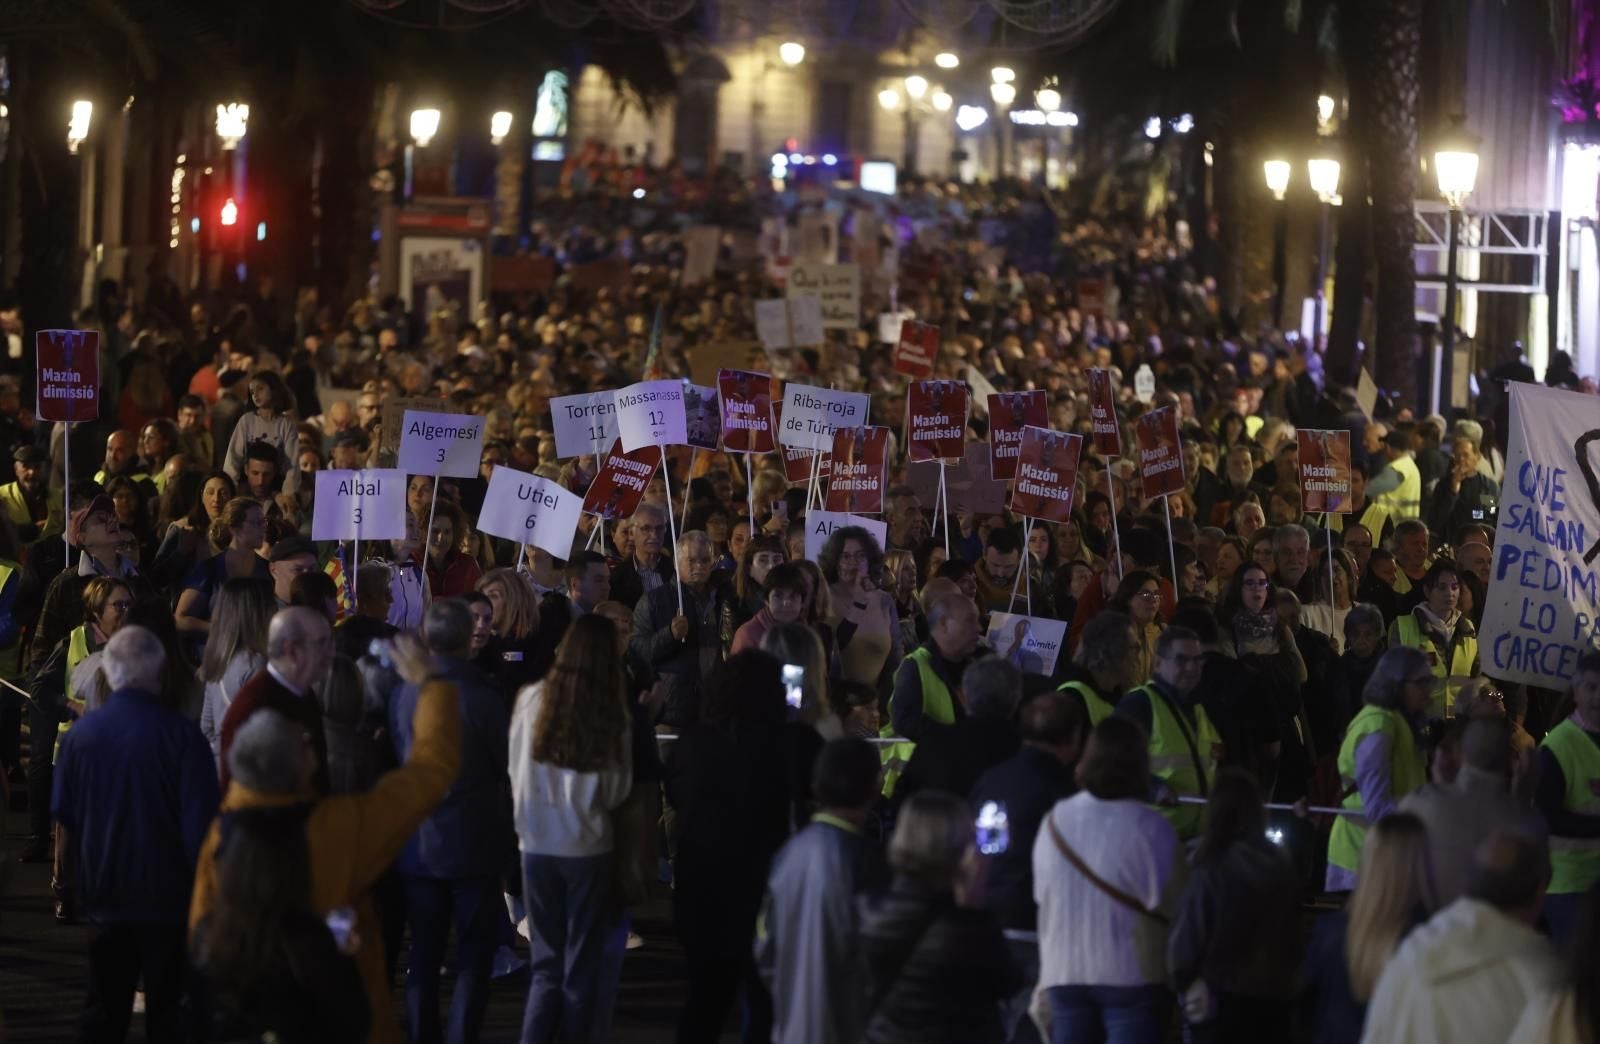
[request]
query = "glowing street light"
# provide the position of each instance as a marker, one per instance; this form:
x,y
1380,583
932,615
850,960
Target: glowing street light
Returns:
x,y
1002,74
1323,173
232,120
942,100
916,87
78,126
499,127
1455,164
889,98
946,60
1003,93
791,53
970,117
1277,172
424,125
1049,98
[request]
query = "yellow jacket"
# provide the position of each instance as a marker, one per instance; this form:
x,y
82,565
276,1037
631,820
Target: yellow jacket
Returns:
x,y
352,839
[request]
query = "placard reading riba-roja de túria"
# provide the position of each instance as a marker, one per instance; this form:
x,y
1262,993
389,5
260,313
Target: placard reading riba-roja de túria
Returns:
x,y
359,505
526,509
811,415
1543,611
446,444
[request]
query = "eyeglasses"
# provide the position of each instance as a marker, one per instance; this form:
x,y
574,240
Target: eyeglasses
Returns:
x,y
1492,694
121,607
1258,584
1150,596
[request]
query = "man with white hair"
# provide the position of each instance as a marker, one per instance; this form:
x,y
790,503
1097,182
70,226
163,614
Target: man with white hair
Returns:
x,y
299,652
682,640
648,568
135,791
1291,551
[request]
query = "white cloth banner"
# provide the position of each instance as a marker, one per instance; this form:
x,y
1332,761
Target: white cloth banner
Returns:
x,y
359,505
530,510
1543,610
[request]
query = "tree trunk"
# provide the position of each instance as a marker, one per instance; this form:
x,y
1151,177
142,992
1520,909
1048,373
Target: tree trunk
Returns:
x,y
1393,42
1353,252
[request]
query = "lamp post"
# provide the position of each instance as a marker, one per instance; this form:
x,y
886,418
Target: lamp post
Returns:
x,y
1277,172
1455,164
1004,92
1323,173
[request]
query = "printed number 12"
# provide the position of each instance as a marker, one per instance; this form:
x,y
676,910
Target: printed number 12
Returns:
x,y
657,417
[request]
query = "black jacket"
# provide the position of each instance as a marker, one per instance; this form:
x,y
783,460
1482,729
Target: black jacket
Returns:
x,y
952,759
1477,502
935,971
627,588
1028,785
308,993
677,662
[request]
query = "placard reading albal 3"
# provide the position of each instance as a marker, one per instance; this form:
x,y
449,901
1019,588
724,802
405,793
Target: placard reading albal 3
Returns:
x,y
359,505
448,444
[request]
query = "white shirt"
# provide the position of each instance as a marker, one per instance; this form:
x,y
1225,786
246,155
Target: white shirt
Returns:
x,y
560,812
1087,938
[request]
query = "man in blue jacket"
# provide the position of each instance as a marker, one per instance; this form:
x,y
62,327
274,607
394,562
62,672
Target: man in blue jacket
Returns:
x,y
451,866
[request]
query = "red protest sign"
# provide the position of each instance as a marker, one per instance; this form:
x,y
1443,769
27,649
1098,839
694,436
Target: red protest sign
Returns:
x,y
1160,453
797,461
746,411
1047,474
917,349
1103,413
69,374
621,482
936,420
1009,413
1092,297
860,470
1324,470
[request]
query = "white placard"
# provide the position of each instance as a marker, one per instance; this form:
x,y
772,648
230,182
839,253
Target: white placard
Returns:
x,y
359,505
792,322
650,413
526,509
1144,385
1031,643
811,415
838,288
449,444
700,244
821,524
584,424
889,326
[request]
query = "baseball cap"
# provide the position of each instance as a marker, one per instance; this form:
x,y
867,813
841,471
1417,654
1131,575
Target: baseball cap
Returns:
x,y
101,504
289,547
29,455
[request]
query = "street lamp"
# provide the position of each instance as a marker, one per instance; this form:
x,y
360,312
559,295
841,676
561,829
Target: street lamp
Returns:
x,y
424,125
946,60
1049,99
889,99
1323,173
231,122
499,127
1455,164
942,99
1002,74
1277,172
791,53
916,87
1003,94
78,126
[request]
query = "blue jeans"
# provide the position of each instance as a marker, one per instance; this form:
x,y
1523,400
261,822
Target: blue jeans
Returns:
x,y
570,912
1014,1017
431,904
1109,1014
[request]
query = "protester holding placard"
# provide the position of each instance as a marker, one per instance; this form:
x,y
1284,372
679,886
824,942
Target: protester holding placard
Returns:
x,y
683,647
865,624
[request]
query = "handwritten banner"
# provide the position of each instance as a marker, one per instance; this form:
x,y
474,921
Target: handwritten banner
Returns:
x,y
837,288
792,322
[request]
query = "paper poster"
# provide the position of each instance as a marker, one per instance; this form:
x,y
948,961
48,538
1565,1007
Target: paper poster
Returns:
x,y
917,349
359,505
1543,609
1092,297
651,413
1144,384
746,411
816,238
797,461
860,470
967,485
821,524
702,416
1103,413
526,509
1366,393
936,420
621,482
1324,470
1009,413
394,415
811,415
700,244
584,424
440,274
69,374
1047,474
1031,643
836,287
1160,452
790,322
889,324
448,444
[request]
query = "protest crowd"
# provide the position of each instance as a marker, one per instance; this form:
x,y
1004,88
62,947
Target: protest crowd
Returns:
x,y
970,635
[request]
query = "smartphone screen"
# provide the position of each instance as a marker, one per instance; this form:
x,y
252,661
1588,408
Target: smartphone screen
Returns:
x,y
794,680
993,828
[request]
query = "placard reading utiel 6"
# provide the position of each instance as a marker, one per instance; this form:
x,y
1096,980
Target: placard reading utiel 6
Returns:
x,y
359,505
447,444
526,509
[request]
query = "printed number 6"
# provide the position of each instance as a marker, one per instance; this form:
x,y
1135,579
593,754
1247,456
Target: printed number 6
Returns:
x,y
530,522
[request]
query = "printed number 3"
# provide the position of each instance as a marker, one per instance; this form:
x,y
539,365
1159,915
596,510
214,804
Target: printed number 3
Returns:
x,y
440,458
358,516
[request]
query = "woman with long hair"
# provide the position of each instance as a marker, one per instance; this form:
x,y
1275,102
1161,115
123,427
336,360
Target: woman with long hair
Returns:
x,y
866,627
1348,949
1139,596
451,571
240,531
187,541
1231,556
1326,611
271,969
236,648
1228,954
268,421
128,500
761,555
570,767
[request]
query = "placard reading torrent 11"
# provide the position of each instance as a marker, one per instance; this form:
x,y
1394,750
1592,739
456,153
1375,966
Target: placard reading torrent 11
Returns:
x,y
584,424
447,444
1543,605
69,374
526,509
359,505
